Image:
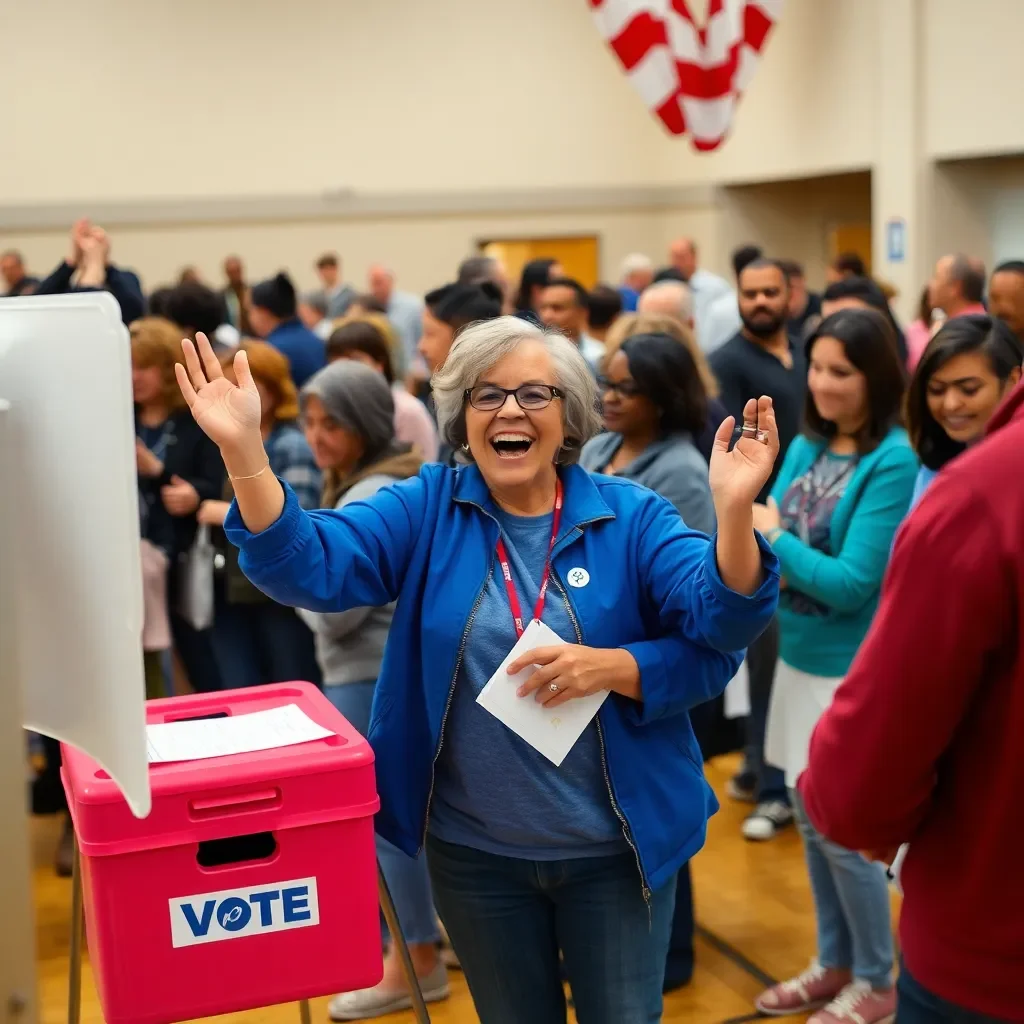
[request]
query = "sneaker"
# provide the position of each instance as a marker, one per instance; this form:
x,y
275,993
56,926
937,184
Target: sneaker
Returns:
x,y
742,787
370,1003
859,1003
767,820
808,991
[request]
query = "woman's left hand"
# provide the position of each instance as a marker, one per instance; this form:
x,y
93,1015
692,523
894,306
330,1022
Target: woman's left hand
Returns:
x,y
180,498
738,475
766,517
571,671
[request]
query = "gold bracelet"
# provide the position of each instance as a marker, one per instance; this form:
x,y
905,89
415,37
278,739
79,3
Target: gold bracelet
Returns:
x,y
251,476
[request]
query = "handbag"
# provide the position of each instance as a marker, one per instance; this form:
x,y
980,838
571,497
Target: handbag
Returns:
x,y
195,581
156,627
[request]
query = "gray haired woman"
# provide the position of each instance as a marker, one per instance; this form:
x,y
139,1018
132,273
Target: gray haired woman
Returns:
x,y
528,855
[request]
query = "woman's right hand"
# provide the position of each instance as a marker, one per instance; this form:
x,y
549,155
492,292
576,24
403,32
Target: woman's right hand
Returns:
x,y
229,414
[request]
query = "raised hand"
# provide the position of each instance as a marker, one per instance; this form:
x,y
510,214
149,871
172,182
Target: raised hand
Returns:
x,y
737,475
229,414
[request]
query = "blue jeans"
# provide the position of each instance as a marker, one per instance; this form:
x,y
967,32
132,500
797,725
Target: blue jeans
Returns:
x,y
262,643
762,655
407,878
851,906
508,919
917,1005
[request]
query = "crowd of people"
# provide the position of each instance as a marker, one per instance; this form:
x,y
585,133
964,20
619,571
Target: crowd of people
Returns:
x,y
817,421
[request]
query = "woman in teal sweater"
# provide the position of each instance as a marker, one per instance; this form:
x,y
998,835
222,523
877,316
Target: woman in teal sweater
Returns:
x,y
843,489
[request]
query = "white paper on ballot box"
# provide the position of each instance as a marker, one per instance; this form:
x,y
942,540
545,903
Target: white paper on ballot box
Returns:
x,y
552,731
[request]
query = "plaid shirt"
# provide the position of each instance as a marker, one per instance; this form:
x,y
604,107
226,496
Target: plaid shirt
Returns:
x,y
292,461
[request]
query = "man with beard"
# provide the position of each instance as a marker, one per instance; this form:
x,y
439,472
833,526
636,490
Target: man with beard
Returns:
x,y
762,359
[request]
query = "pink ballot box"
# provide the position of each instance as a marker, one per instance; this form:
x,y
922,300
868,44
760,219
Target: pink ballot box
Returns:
x,y
252,882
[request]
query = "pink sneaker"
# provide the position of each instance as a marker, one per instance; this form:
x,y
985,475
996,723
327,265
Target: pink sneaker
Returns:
x,y
808,991
859,1003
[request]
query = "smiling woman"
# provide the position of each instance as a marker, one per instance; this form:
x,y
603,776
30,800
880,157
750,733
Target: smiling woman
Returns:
x,y
646,613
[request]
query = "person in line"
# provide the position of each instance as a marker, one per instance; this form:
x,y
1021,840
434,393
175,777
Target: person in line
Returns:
x,y
273,313
450,309
236,295
178,469
526,860
348,417
669,298
843,489
944,653
364,339
705,287
762,357
636,274
919,331
722,321
654,406
604,304
17,280
846,264
405,311
312,310
1006,296
804,305
653,323
852,292
563,305
534,279
476,270
957,287
968,368
339,294
194,307
88,268
256,640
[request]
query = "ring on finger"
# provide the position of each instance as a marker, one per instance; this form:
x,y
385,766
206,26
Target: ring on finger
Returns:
x,y
554,688
751,431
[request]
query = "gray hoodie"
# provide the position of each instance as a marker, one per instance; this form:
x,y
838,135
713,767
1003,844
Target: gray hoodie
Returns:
x,y
672,466
350,645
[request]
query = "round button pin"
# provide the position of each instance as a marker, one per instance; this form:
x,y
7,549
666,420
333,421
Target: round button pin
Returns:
x,y
578,577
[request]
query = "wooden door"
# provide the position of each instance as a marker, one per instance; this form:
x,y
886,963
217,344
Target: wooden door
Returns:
x,y
578,256
854,237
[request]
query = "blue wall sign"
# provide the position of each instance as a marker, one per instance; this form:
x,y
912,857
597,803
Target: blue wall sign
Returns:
x,y
896,240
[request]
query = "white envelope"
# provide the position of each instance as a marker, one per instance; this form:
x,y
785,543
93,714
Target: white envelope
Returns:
x,y
552,731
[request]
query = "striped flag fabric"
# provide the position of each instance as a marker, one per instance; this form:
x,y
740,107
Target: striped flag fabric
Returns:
x,y
690,76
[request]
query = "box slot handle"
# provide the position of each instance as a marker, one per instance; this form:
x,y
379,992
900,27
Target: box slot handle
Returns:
x,y
220,853
234,803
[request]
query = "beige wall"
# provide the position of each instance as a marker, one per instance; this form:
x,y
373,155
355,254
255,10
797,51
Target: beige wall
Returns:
x,y
121,99
974,77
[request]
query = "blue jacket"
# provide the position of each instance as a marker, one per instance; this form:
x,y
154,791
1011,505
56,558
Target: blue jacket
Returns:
x,y
305,351
429,543
849,581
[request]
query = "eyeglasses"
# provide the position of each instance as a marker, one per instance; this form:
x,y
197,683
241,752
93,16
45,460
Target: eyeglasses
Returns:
x,y
626,388
531,397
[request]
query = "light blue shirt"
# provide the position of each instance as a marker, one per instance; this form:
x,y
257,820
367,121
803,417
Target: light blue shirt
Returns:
x,y
405,312
493,791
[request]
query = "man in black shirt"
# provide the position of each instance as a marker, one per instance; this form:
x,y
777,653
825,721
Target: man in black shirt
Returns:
x,y
762,359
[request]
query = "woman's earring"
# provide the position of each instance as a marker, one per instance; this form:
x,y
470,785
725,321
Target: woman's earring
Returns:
x,y
465,447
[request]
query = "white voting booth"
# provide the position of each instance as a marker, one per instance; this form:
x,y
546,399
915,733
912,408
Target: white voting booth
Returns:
x,y
70,574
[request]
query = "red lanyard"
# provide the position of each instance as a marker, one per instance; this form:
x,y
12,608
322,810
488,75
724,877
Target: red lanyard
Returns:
x,y
506,570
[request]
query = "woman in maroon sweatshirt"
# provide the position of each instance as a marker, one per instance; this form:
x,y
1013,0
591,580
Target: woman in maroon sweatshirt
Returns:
x,y
924,741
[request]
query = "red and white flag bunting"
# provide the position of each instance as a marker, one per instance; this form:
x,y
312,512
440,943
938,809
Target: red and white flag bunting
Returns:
x,y
690,77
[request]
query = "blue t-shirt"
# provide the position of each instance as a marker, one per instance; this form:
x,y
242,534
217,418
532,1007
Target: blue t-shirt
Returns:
x,y
493,792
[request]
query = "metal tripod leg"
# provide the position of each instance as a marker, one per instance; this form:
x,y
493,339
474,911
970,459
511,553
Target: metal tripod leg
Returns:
x,y
77,934
304,1015
391,916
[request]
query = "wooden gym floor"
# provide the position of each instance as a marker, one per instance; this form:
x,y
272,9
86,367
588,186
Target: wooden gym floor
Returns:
x,y
753,906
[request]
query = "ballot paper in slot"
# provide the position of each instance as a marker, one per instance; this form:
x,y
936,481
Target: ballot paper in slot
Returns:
x,y
552,731
198,739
